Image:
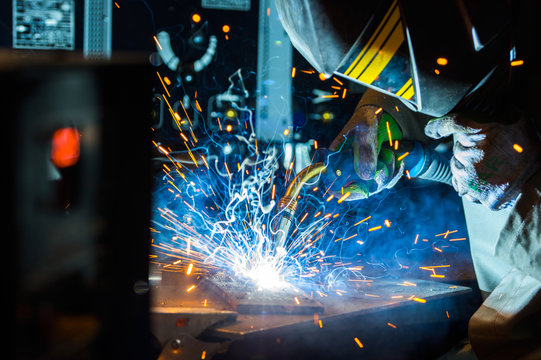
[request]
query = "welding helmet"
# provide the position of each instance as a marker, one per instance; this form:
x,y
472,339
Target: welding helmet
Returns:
x,y
429,54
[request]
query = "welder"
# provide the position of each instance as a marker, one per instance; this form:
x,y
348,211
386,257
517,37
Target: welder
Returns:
x,y
435,69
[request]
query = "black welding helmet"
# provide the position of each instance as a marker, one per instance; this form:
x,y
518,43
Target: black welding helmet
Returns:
x,y
429,54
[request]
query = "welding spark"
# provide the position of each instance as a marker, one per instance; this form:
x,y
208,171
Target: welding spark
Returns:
x,y
208,219
266,275
157,42
358,342
219,220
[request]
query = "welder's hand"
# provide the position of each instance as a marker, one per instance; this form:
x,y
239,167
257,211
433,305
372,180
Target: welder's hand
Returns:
x,y
491,161
361,133
362,167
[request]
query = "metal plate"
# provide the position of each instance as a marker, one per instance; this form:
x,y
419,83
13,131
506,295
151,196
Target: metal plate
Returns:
x,y
366,299
249,299
172,320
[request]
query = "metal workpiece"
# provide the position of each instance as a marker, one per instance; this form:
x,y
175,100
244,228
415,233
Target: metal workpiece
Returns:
x,y
247,298
177,329
350,307
241,319
193,321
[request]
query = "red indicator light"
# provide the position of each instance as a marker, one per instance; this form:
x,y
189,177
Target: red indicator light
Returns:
x,y
65,147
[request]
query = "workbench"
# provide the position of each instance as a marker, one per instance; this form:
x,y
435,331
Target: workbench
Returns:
x,y
380,319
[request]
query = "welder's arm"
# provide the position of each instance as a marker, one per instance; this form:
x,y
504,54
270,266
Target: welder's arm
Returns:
x,y
491,161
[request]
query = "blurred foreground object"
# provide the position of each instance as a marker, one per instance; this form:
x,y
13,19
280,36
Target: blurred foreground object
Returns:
x,y
78,200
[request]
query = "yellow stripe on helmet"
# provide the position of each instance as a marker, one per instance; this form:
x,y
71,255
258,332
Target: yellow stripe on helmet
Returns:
x,y
384,55
393,9
366,56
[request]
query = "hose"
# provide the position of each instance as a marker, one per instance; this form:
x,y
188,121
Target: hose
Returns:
x,y
436,168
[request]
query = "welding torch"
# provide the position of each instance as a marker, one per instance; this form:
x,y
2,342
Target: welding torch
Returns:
x,y
421,162
288,203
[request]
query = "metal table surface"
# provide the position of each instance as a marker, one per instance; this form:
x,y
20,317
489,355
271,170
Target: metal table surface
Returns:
x,y
379,296
392,319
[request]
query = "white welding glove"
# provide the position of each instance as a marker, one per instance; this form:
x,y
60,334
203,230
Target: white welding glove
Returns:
x,y
491,161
